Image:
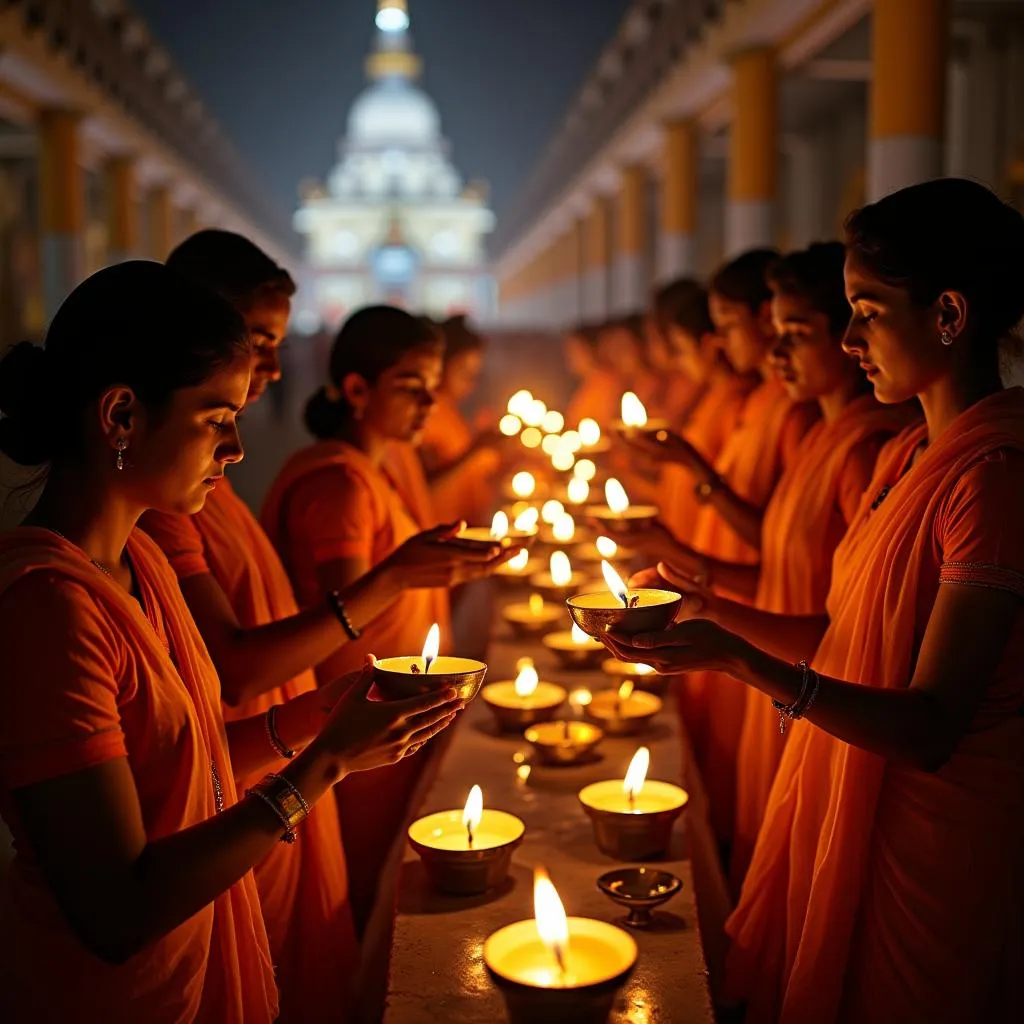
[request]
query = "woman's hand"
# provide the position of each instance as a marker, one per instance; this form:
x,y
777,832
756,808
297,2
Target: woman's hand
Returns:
x,y
436,558
668,446
684,647
364,734
698,598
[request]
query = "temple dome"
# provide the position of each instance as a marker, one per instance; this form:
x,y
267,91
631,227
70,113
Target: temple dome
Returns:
x,y
393,113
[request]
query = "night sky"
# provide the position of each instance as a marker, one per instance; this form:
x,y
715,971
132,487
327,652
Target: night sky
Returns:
x,y
281,84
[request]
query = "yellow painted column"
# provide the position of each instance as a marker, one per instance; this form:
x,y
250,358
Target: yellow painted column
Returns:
x,y
631,282
61,206
597,251
122,210
680,197
753,153
160,221
909,44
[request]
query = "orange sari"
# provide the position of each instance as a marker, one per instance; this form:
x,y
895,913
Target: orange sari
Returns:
x,y
467,491
806,518
303,886
91,675
597,397
330,502
876,891
402,466
764,442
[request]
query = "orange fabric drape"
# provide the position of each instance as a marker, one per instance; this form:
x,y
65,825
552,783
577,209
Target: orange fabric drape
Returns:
x,y
303,886
678,398
330,502
111,688
804,522
597,397
876,891
403,468
752,461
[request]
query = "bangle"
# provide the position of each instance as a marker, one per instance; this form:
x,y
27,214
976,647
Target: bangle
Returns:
x,y
284,800
270,721
809,684
334,599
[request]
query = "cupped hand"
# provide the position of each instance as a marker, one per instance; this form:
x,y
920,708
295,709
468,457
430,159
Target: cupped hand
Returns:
x,y
684,647
365,734
668,446
437,558
698,597
649,579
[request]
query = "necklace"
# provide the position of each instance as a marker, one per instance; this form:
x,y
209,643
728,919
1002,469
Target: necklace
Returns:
x,y
218,787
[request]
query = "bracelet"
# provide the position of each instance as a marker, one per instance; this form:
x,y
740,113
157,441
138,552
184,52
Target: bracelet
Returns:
x,y
270,721
809,685
287,803
334,599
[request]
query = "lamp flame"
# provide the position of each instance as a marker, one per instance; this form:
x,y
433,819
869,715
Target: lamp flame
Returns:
x,y
473,812
633,412
626,690
579,699
527,520
562,460
564,528
518,402
636,774
589,431
531,437
561,569
578,490
615,583
536,603
585,469
553,421
552,925
533,414
551,510
431,646
510,424
499,525
527,681
615,496
523,484
578,636
606,547
519,562
643,670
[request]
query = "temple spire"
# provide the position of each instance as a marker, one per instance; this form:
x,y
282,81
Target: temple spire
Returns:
x,y
392,56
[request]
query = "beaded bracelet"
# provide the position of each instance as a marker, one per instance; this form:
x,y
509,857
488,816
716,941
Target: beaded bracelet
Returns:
x,y
270,721
334,599
809,685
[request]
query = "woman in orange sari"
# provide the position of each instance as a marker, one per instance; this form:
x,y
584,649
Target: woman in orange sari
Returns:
x,y
887,883
264,648
461,466
131,895
679,392
334,515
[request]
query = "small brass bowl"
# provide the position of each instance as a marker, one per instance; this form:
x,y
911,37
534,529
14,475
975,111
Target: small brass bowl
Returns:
x,y
639,890
623,718
511,715
652,682
571,655
524,624
600,613
480,537
551,746
509,577
395,681
635,519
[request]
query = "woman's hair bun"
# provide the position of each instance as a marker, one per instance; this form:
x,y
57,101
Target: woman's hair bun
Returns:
x,y
26,405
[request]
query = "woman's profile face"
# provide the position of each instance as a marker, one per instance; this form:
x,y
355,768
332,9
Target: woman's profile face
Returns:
x,y
807,357
691,355
176,455
895,341
462,374
267,319
746,334
401,398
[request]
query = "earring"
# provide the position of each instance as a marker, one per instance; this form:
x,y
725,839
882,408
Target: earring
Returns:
x,y
946,338
122,444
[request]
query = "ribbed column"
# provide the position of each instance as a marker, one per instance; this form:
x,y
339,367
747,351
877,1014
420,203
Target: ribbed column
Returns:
x,y
61,206
631,241
909,42
753,153
160,220
122,210
597,250
680,191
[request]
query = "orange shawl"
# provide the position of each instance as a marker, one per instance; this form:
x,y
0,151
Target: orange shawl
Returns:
x,y
402,466
303,886
878,892
215,967
804,522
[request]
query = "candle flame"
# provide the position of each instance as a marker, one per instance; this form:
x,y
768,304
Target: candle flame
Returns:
x,y
533,414
606,547
561,569
636,774
585,469
523,773
578,636
633,412
527,520
578,490
552,925
519,401
615,583
473,811
580,698
431,646
536,603
531,437
553,421
499,525
615,496
550,444
523,484
551,510
589,431
523,662
643,670
510,425
563,460
527,681
626,690
519,562
571,441
564,529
